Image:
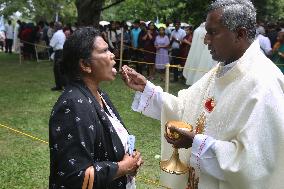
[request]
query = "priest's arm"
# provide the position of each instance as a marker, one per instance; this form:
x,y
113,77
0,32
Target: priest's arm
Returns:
x,y
149,100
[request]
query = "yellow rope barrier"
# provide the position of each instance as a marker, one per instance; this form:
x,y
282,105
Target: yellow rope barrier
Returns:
x,y
35,44
143,179
149,63
25,134
133,60
139,62
143,50
170,66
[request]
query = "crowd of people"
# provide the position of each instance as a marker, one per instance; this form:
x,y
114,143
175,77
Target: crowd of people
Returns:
x,y
145,43
28,34
271,41
147,46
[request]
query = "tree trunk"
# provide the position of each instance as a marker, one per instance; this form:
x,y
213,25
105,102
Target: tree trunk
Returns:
x,y
89,12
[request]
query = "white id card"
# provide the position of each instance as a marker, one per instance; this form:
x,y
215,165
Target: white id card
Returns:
x,y
131,144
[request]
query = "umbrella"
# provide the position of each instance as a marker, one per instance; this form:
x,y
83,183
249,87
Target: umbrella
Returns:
x,y
161,25
103,23
184,24
147,23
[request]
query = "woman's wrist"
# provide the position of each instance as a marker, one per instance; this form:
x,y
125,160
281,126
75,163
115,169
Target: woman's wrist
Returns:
x,y
122,169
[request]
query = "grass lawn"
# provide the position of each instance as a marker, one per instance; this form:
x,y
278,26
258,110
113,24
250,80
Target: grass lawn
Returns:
x,y
25,104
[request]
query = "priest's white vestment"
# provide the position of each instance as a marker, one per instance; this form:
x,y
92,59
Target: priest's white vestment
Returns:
x,y
245,130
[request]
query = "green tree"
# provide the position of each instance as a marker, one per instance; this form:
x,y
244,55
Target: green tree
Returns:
x,y
40,9
269,10
85,12
193,11
88,12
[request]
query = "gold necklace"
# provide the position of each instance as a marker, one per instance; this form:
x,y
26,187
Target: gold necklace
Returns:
x,y
208,104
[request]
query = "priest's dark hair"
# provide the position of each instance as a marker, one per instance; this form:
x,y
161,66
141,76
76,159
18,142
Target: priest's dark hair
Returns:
x,y
78,46
237,14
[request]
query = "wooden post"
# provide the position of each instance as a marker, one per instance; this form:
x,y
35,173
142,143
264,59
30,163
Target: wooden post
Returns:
x,y
167,77
20,52
36,51
20,58
121,48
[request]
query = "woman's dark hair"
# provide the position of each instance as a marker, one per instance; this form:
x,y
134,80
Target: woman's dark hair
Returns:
x,y
78,46
153,24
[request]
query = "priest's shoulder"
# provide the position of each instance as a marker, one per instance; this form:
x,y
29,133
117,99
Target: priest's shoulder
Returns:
x,y
265,74
199,85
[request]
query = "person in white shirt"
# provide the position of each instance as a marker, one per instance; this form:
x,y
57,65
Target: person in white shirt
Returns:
x,y
2,40
264,41
177,36
16,38
112,38
9,32
50,31
57,41
168,31
236,109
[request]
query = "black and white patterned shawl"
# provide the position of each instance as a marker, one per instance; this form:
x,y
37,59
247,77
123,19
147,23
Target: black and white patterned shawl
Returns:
x,y
81,135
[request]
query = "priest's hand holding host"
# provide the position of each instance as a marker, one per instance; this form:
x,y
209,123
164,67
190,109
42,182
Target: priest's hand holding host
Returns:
x,y
133,79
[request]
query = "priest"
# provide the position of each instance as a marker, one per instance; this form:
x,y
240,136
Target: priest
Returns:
x,y
236,109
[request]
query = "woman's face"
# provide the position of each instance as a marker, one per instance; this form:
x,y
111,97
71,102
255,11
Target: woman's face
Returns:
x,y
102,62
187,31
280,37
151,26
161,31
113,26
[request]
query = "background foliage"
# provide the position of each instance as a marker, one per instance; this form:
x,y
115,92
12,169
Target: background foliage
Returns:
x,y
35,10
192,11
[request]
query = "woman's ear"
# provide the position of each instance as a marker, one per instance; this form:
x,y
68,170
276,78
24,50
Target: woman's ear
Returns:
x,y
85,66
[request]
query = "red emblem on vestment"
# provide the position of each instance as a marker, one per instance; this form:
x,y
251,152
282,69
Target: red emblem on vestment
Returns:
x,y
209,104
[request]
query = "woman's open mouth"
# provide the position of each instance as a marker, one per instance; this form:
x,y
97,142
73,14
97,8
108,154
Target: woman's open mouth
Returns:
x,y
113,70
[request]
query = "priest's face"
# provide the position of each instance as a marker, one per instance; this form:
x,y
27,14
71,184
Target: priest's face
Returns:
x,y
221,41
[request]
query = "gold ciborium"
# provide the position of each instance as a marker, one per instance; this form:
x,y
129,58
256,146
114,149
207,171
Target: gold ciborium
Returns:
x,y
174,164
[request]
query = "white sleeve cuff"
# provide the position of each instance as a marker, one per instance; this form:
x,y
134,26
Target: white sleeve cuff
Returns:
x,y
203,158
136,100
140,100
149,102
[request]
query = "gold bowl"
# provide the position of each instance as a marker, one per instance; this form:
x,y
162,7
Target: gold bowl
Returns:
x,y
174,165
178,124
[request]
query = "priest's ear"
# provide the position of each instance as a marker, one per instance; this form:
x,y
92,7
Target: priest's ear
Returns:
x,y
242,33
85,66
